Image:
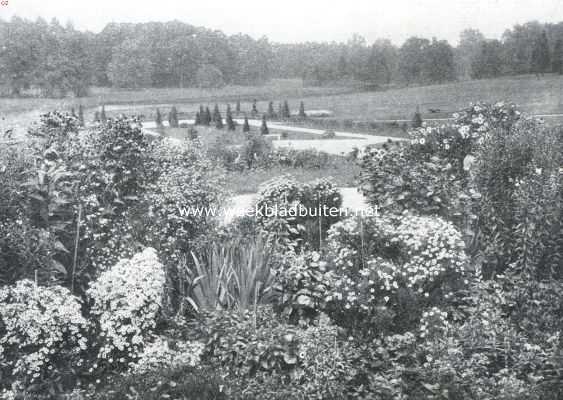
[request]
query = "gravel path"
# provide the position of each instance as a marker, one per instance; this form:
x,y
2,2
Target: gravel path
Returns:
x,y
337,146
239,205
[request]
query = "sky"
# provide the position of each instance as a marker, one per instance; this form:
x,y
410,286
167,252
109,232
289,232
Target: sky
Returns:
x,y
291,21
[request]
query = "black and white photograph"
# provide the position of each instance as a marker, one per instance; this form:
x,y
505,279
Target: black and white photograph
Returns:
x,y
290,200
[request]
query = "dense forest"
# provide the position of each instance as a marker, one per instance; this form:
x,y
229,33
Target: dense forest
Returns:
x,y
52,60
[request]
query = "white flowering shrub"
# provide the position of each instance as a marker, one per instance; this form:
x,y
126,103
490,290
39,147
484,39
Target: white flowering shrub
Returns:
x,y
163,353
126,301
42,332
466,133
387,264
418,249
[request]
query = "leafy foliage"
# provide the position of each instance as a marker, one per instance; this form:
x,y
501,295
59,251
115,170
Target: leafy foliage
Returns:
x,y
42,337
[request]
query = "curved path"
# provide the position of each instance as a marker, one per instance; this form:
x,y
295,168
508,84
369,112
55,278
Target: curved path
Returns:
x,y
337,146
239,205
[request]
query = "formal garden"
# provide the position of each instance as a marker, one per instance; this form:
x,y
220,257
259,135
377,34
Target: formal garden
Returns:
x,y
453,291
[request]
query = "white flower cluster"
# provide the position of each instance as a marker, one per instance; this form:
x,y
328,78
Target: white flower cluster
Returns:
x,y
430,249
159,354
126,300
433,246
39,323
434,322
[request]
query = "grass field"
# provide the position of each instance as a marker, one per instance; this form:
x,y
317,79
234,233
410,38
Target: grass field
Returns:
x,y
535,96
532,95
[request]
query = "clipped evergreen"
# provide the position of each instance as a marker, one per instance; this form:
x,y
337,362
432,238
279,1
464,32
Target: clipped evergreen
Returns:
x,y
173,118
229,118
103,116
271,112
264,128
302,113
97,116
246,125
216,113
197,118
81,115
254,107
217,118
158,118
286,112
237,109
417,119
207,119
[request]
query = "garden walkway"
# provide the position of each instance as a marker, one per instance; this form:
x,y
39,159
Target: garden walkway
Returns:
x,y
238,205
336,146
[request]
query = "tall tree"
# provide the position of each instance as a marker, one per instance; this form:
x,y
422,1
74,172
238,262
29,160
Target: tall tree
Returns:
x,y
130,66
518,45
386,58
488,62
467,51
557,58
412,59
540,55
438,64
342,65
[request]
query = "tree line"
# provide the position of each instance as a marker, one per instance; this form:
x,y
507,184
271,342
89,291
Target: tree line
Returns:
x,y
55,60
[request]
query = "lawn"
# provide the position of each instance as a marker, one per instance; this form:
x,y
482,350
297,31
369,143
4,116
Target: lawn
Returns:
x,y
535,96
532,95
344,173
